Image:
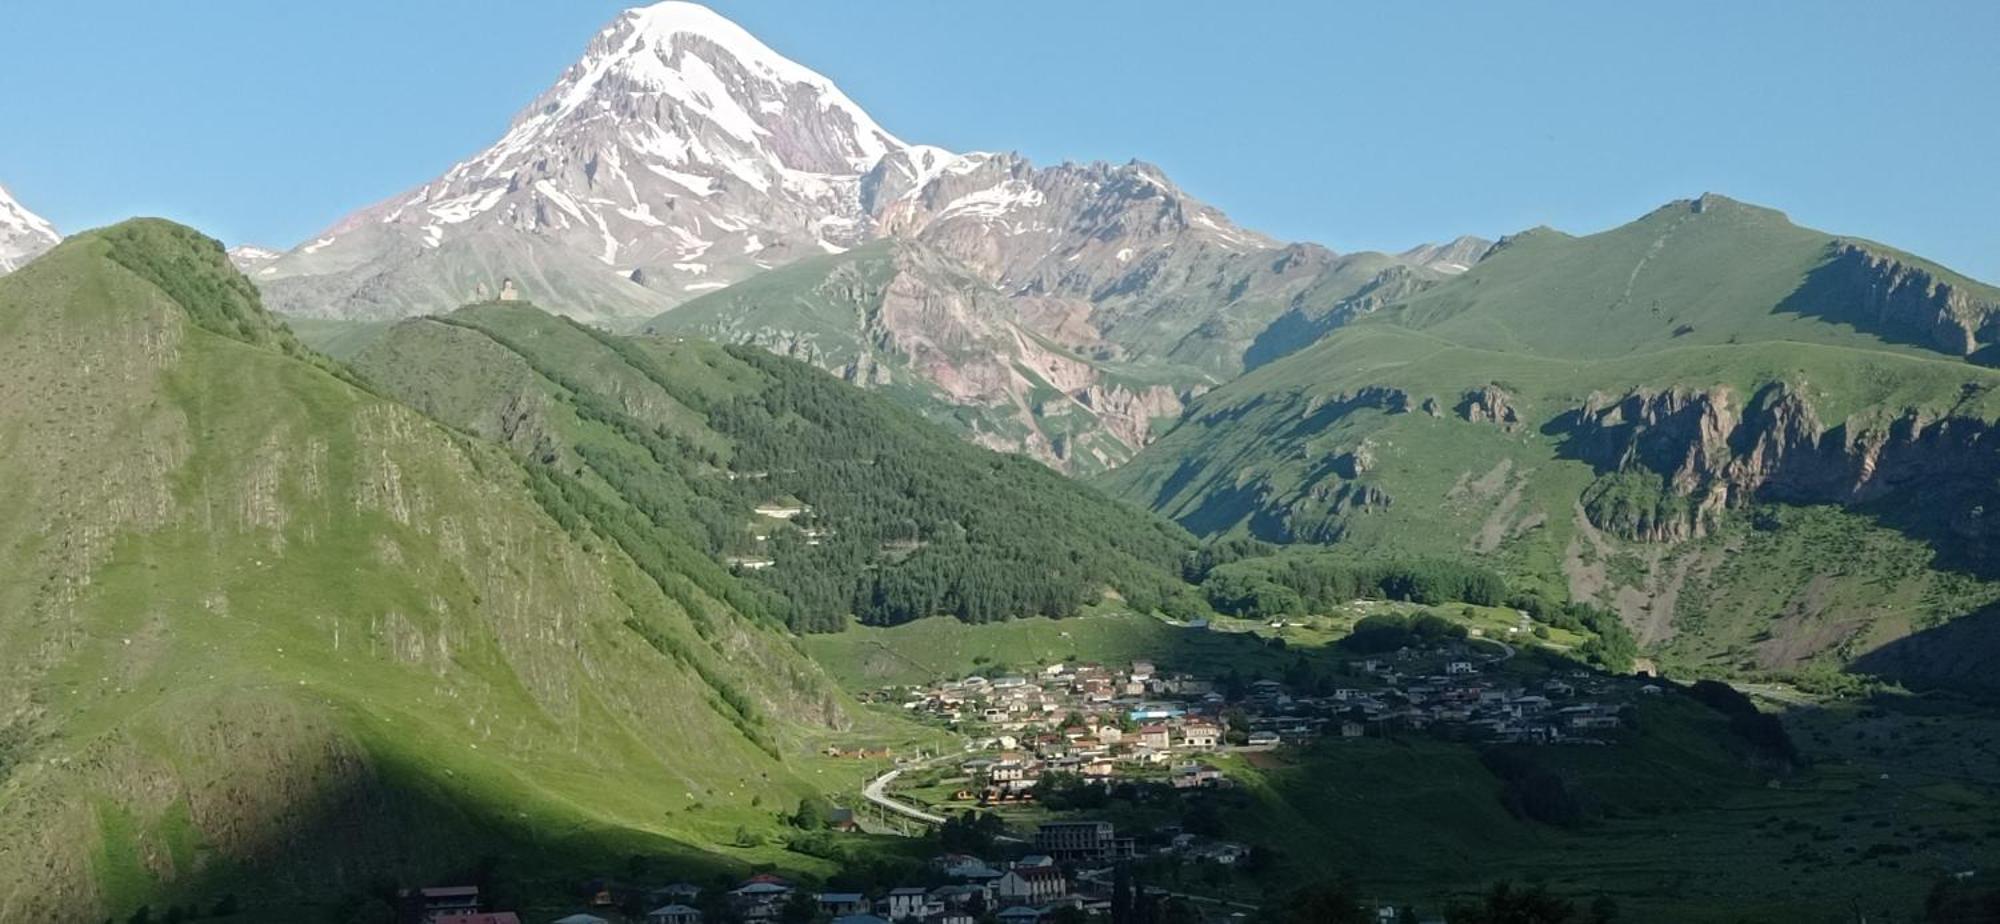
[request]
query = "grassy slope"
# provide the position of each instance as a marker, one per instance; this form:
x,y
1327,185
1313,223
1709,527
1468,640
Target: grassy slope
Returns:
x,y
260,622
1684,832
867,657
1552,319
340,339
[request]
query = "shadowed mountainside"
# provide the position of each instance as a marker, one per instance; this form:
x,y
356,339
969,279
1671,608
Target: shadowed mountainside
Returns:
x,y
247,594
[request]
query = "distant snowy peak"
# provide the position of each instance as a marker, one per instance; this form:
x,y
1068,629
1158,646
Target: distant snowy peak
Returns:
x,y
1450,258
250,258
23,234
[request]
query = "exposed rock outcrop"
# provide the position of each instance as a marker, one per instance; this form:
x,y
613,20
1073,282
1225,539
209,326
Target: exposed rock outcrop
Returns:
x,y
1489,404
1898,297
1710,454
1128,413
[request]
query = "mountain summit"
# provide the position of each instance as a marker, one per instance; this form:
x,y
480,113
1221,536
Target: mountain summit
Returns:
x,y
1058,310
678,155
23,234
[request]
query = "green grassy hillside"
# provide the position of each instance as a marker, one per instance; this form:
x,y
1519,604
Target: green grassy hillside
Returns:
x,y
265,632
1612,417
670,447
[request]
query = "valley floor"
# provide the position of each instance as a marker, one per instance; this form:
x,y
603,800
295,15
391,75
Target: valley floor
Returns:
x,y
1892,794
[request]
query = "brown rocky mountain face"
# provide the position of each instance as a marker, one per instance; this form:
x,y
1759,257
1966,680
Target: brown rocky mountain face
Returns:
x,y
1063,310
1450,258
1717,451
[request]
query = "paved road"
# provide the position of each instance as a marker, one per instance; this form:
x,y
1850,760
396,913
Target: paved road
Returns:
x,y
1504,647
875,792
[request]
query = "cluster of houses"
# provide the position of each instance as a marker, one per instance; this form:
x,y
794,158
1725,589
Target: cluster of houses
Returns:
x,y
1069,869
1451,693
962,889
1101,722
1086,719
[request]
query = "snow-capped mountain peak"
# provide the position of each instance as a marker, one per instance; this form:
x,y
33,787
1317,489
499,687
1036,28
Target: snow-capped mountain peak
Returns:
x,y
678,155
671,48
23,234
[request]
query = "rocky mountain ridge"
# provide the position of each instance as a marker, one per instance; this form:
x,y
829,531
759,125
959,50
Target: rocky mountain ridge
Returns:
x,y
1881,290
1063,309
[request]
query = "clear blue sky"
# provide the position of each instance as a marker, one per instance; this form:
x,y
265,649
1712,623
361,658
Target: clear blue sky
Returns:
x,y
1358,125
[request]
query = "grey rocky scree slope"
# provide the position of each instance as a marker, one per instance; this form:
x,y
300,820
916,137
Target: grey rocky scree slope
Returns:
x,y
23,234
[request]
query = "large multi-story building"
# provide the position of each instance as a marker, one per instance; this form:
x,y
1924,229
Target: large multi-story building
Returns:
x,y
1081,840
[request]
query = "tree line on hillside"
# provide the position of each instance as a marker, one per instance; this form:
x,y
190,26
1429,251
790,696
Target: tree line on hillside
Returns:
x,y
1305,581
1257,580
919,523
905,520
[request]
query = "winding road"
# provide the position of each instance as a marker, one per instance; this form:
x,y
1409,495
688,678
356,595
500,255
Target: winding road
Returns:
x,y
1506,650
876,792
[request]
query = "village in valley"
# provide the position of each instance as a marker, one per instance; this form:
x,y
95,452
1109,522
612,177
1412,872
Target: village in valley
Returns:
x,y
1008,811
1102,722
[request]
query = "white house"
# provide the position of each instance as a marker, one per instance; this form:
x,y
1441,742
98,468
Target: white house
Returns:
x,y
674,914
1200,736
1030,885
910,902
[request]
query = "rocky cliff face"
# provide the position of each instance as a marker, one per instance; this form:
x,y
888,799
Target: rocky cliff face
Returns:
x,y
1713,451
1898,296
1139,260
